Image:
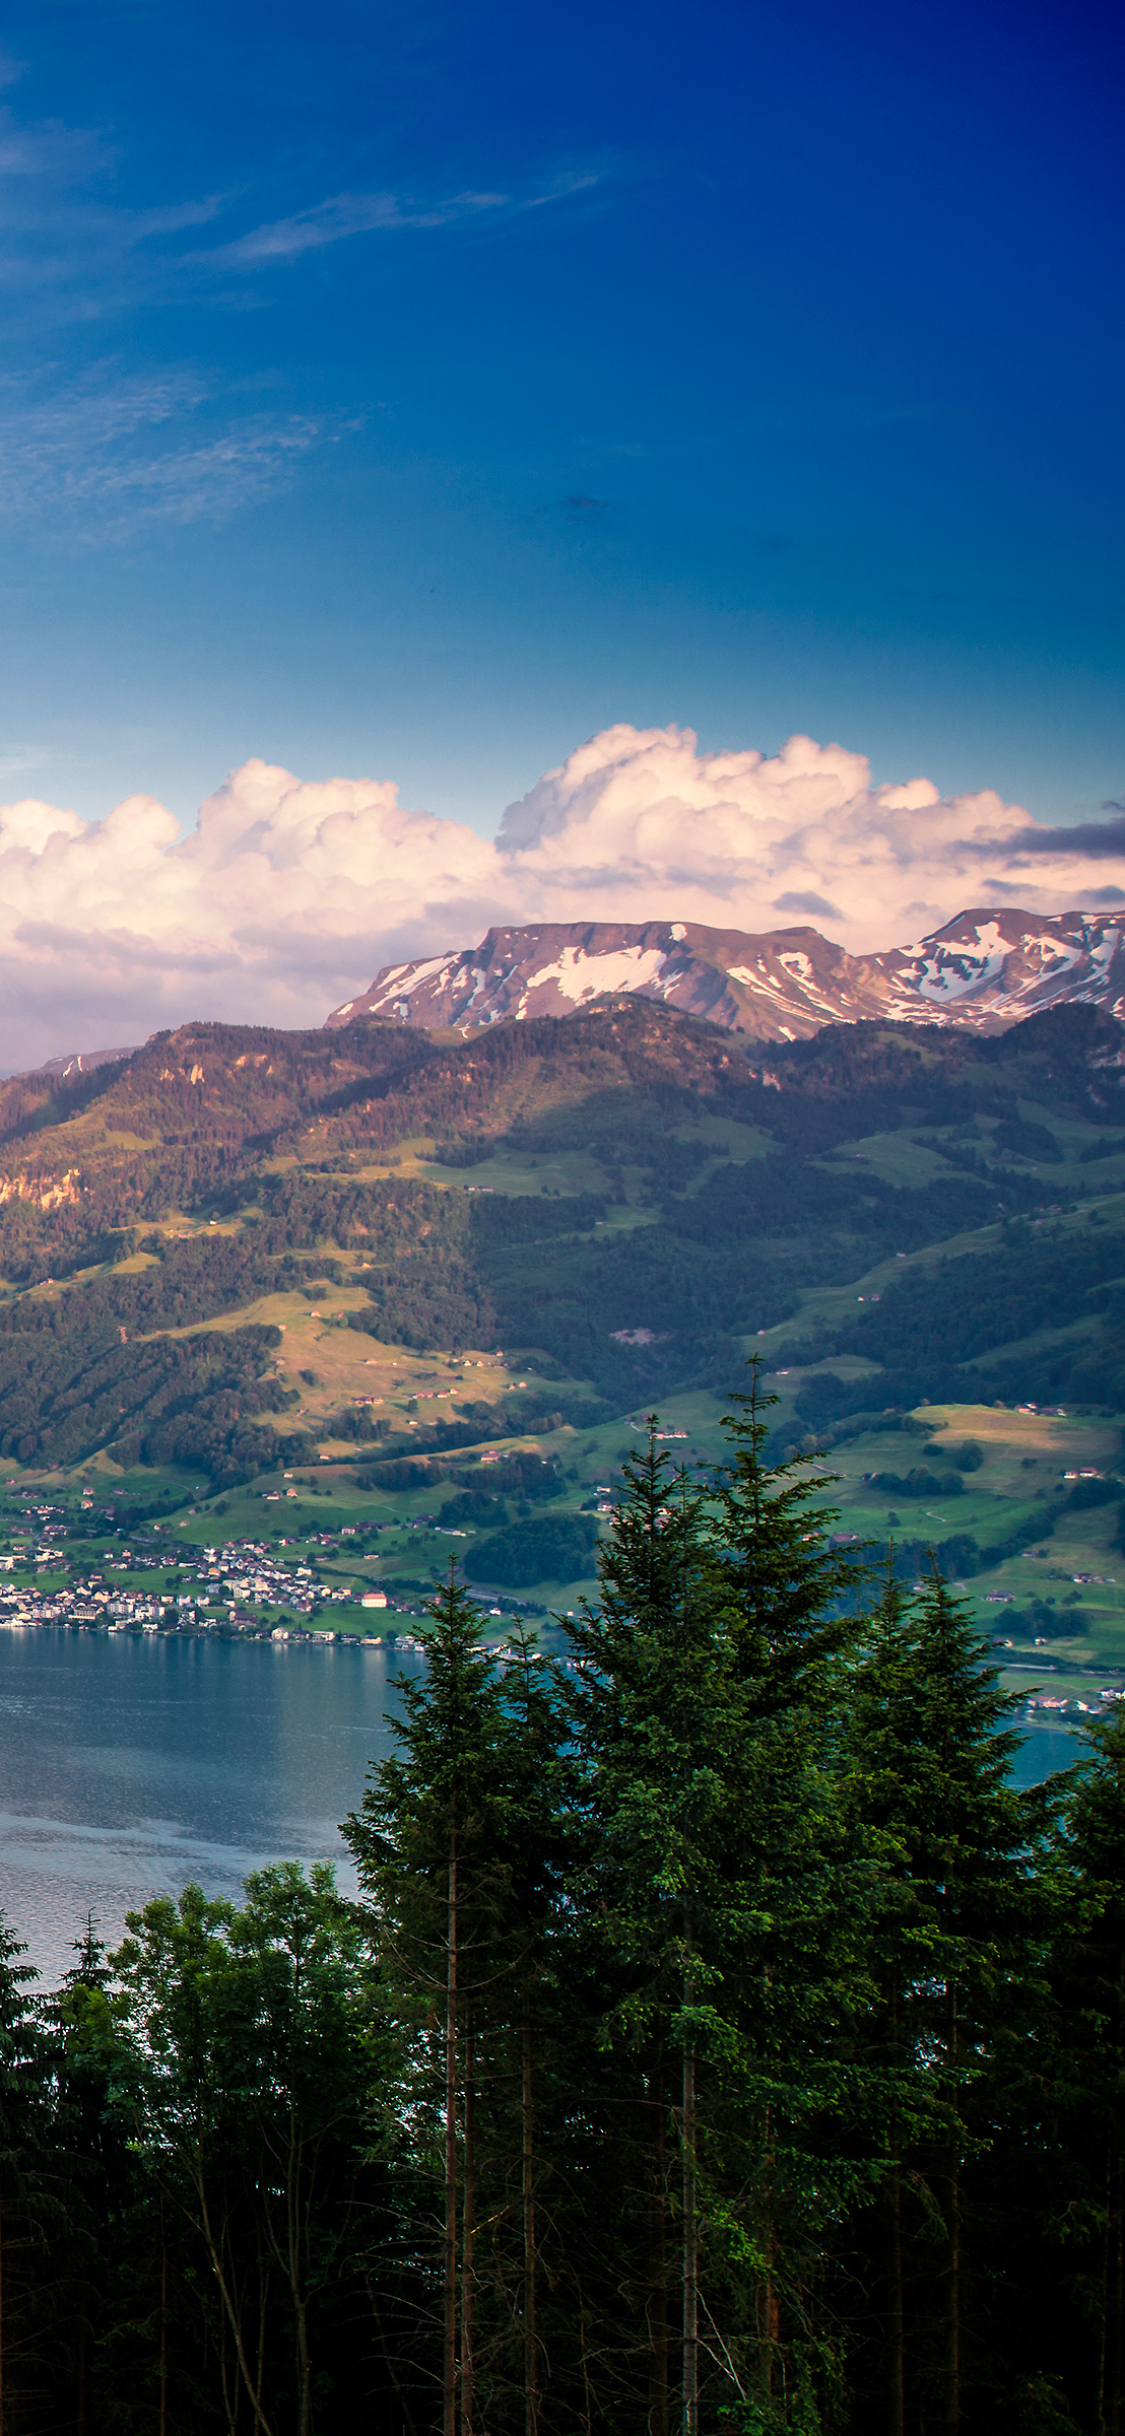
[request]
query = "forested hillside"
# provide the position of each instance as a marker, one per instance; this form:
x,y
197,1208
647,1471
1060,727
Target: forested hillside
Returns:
x,y
689,1197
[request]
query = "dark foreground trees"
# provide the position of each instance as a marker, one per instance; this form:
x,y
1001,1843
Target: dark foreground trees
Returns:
x,y
719,2045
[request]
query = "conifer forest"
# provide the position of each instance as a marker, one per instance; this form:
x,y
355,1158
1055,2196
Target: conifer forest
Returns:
x,y
719,2044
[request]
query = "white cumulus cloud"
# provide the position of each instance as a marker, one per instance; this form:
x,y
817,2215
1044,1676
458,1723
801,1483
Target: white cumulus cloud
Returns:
x,y
289,893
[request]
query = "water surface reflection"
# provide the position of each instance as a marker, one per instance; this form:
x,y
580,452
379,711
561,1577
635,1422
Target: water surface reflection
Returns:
x,y
130,1764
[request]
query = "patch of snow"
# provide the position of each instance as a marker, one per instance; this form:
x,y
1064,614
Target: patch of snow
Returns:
x,y
578,975
415,977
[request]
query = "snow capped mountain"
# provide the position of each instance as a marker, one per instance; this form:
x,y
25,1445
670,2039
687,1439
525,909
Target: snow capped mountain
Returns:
x,y
985,969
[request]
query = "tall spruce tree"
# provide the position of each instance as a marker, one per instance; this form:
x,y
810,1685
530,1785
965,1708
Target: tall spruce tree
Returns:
x,y
429,1844
956,1926
658,1725
731,1902
789,1596
529,2039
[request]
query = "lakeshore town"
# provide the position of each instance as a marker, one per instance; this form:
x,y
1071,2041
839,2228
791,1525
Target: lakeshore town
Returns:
x,y
288,1590
280,1590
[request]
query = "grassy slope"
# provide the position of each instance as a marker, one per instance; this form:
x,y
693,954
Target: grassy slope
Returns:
x,y
628,1172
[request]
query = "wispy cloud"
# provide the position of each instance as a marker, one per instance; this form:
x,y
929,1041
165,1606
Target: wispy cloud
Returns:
x,y
116,454
354,215
105,452
55,233
345,216
74,253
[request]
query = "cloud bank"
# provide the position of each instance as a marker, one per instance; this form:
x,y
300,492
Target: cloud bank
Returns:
x,y
288,894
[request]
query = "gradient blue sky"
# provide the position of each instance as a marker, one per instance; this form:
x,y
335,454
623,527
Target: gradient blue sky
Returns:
x,y
414,391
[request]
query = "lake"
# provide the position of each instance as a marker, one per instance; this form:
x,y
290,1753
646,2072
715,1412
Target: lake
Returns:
x,y
130,1764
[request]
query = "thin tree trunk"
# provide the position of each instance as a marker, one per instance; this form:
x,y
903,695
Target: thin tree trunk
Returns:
x,y
468,2237
691,2255
1101,2424
231,2310
163,2323
658,2412
691,2229
896,2379
293,2268
766,2313
1115,2300
530,2278
449,2363
587,2397
953,2301
953,2247
2,2410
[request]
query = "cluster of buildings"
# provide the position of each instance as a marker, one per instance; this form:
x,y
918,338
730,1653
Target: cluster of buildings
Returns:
x,y
229,1588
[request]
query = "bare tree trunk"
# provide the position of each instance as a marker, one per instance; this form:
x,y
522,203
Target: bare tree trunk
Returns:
x,y
1115,2300
587,2395
292,2264
953,2301
163,2323
691,2255
468,2236
896,2381
658,2410
530,2278
767,2321
1101,2423
216,2249
449,2363
767,2311
691,2220
953,2243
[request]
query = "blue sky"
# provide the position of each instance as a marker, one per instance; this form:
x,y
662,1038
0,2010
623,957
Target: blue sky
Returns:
x,y
414,392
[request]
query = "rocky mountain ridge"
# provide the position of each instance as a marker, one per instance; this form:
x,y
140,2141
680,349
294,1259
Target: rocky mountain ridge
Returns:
x,y
986,969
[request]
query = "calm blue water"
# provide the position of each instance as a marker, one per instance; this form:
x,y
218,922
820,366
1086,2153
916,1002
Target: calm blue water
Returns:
x,y
1046,1748
129,1765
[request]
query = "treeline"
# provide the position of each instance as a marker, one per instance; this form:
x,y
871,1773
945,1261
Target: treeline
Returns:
x,y
719,2042
189,1400
958,1309
933,1323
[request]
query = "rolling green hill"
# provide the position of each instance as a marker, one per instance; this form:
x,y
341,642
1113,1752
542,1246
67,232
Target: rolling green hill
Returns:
x,y
245,1254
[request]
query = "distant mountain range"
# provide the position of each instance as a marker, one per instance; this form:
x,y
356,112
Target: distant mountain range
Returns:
x,y
986,969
